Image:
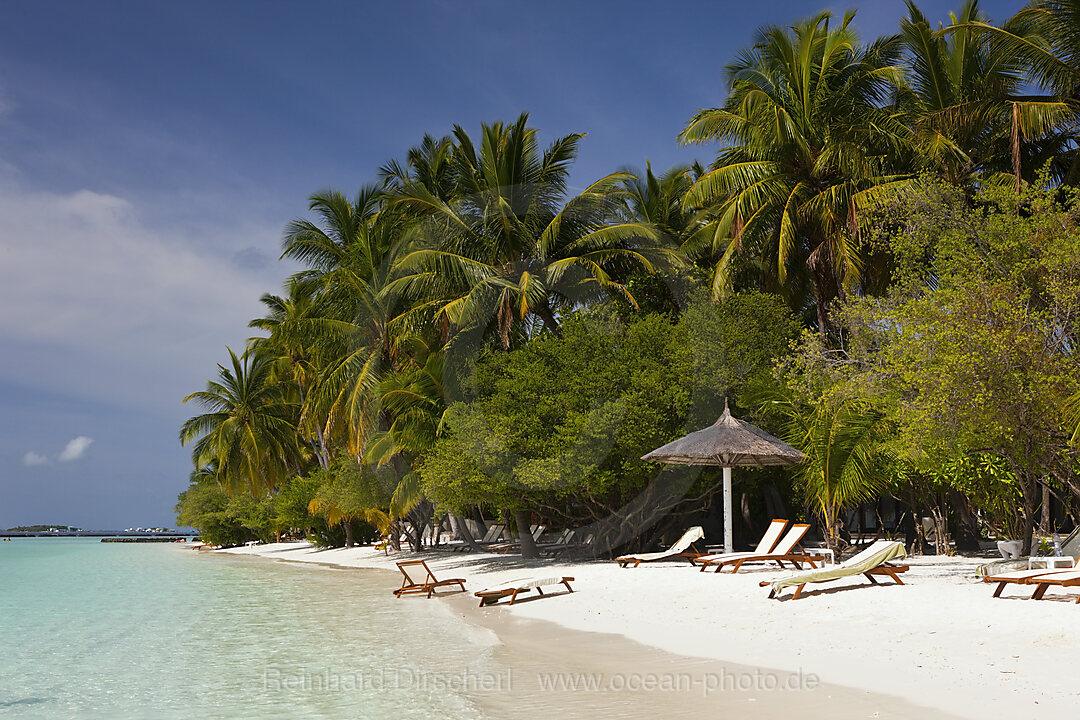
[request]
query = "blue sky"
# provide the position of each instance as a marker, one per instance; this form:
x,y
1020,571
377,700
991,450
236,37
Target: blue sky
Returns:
x,y
150,154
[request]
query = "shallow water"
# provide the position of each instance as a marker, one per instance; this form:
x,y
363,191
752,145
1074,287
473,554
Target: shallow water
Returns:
x,y
114,631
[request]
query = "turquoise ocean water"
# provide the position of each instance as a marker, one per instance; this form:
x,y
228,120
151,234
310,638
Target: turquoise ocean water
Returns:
x,y
114,631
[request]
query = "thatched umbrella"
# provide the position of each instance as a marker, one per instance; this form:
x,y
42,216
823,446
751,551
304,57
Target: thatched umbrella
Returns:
x,y
727,443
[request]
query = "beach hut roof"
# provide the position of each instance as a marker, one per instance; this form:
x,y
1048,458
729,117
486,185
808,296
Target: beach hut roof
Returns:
x,y
728,442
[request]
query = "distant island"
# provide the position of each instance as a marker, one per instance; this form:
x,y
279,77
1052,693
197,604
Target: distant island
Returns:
x,y
45,528
72,531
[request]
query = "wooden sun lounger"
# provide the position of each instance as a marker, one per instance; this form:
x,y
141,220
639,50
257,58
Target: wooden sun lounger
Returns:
x,y
511,589
566,545
1061,579
490,537
871,563
765,545
1016,577
1043,579
428,585
536,531
683,548
783,552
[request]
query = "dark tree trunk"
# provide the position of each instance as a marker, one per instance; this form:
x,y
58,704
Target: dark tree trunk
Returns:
x,y
744,510
1029,530
1030,495
478,518
528,547
466,535
967,527
550,323
826,284
348,526
774,504
324,456
1044,520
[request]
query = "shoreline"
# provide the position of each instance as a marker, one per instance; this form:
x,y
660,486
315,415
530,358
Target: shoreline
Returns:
x,y
589,673
941,641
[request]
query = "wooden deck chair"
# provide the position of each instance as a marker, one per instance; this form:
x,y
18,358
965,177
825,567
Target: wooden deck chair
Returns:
x,y
574,544
428,585
491,536
783,552
871,563
681,549
561,540
1016,577
511,589
765,545
1042,578
535,530
1065,579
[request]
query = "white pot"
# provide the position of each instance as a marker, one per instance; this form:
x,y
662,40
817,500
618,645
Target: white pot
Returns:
x,y
1009,549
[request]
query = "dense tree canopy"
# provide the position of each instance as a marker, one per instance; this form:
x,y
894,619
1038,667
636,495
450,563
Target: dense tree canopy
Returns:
x,y
879,262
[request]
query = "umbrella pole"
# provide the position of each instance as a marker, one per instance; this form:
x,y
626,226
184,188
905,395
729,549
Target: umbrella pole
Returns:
x,y
729,543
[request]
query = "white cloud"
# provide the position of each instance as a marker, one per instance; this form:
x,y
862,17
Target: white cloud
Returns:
x,y
32,459
109,307
75,448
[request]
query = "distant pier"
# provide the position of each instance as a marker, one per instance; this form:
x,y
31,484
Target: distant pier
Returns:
x,y
118,536
155,539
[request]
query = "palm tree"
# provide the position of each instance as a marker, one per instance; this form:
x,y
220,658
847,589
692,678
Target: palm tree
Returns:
x,y
1046,33
657,200
297,358
807,142
844,443
1045,36
508,250
412,400
966,98
349,493
350,256
429,164
250,429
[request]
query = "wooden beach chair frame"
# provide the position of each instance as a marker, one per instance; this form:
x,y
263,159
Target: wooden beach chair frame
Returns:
x,y
892,571
1042,579
490,537
428,585
1016,577
844,570
690,553
535,530
567,545
788,543
492,597
765,545
1044,582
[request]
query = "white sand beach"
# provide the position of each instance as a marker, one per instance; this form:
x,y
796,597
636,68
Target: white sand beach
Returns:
x,y
941,641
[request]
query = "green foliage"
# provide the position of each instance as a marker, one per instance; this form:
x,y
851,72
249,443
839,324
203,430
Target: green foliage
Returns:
x,y
348,491
971,353
569,329
844,437
563,421
991,486
510,248
292,501
249,433
964,97
806,143
206,507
